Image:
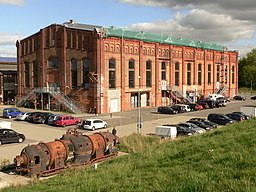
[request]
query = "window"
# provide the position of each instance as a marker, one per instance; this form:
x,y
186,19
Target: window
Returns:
x,y
218,73
112,73
35,73
226,74
86,70
131,74
53,62
163,71
27,80
188,73
148,73
233,75
177,73
199,74
209,74
74,72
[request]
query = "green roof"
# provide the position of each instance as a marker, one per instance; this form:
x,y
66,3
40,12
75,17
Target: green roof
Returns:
x,y
160,38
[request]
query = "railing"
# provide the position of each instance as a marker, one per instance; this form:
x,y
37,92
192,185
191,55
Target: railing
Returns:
x,y
179,94
22,100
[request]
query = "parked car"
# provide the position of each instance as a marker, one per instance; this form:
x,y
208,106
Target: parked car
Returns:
x,y
65,120
166,110
201,125
93,124
205,105
222,102
52,119
30,116
193,127
236,116
239,97
22,116
220,119
182,131
253,98
195,106
246,117
41,117
210,103
207,122
180,109
10,136
11,112
185,106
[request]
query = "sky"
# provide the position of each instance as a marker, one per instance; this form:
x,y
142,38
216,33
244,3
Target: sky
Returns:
x,y
231,23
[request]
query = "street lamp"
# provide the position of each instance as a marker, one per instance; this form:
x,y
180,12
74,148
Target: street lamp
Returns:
x,y
139,114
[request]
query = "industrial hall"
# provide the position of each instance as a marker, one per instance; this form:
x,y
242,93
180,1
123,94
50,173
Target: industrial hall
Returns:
x,y
89,68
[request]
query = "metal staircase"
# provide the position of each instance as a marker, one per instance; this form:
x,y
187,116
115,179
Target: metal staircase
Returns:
x,y
221,90
57,94
178,94
22,100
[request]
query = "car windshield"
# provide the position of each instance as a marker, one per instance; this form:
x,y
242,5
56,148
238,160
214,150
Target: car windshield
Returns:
x,y
87,122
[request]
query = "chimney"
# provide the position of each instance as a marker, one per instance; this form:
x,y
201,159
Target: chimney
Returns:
x,y
72,21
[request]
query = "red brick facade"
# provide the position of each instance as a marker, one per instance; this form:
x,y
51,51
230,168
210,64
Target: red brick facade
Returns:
x,y
150,63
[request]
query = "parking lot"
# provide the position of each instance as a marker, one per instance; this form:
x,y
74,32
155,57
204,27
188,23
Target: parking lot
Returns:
x,y
125,123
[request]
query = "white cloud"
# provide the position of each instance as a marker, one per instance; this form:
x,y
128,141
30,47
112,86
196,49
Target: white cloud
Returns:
x,y
13,2
8,44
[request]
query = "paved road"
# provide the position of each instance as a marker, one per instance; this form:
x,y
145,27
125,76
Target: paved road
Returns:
x,y
125,123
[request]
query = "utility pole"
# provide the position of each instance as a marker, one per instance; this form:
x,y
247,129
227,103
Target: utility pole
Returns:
x,y
139,113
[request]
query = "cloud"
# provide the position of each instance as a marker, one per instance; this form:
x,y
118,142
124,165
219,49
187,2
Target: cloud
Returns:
x,y
8,44
201,25
13,2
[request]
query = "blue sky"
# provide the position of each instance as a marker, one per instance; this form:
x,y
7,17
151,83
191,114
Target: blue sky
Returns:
x,y
227,22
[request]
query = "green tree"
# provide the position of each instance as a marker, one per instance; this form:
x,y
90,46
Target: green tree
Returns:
x,y
247,70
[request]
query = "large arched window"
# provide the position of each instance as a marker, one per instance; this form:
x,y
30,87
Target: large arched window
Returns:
x,y
233,75
35,74
53,62
163,70
199,74
112,73
188,73
209,74
86,70
27,75
131,73
74,73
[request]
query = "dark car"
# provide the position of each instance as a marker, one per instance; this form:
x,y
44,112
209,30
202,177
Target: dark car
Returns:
x,y
30,117
210,103
207,122
253,98
236,116
166,110
220,119
193,106
10,136
246,117
183,131
239,97
179,108
192,127
41,117
201,124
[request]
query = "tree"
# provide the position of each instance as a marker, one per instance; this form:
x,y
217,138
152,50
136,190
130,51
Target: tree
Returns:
x,y
247,70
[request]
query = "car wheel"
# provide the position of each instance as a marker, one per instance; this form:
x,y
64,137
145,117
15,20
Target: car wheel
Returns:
x,y
64,125
105,126
9,117
93,128
20,140
43,121
0,142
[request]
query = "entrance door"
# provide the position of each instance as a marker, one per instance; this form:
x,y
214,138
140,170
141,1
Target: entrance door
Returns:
x,y
114,105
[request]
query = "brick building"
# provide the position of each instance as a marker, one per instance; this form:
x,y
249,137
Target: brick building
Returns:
x,y
8,79
113,69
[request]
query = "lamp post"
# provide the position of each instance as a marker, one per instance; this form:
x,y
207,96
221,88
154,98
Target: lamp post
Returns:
x,y
139,114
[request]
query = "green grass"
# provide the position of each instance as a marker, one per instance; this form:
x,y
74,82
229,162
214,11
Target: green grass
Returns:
x,y
219,160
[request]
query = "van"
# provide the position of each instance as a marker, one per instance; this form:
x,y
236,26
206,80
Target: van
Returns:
x,y
11,112
166,131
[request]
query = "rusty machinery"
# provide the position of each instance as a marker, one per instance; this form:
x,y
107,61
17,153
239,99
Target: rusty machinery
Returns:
x,y
72,149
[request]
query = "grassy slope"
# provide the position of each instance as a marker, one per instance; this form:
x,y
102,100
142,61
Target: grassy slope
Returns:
x,y
220,160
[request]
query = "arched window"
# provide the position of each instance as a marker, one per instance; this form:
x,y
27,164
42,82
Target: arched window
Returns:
x,y
209,74
233,75
35,74
148,73
74,72
86,70
163,70
188,73
53,62
177,73
199,74
112,73
131,73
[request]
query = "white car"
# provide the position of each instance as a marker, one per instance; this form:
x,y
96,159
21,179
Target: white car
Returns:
x,y
93,124
22,116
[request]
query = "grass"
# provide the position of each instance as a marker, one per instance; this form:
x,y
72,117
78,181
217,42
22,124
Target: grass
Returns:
x,y
219,160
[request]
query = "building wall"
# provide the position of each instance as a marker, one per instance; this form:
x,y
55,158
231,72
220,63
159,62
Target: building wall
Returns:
x,y
67,44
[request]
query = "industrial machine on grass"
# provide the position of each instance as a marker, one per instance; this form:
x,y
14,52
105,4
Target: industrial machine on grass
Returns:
x,y
72,150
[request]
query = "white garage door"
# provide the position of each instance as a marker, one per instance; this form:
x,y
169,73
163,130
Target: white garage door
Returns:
x,y
114,105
